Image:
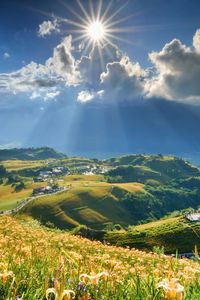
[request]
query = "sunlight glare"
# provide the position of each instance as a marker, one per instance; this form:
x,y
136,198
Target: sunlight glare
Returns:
x,y
96,31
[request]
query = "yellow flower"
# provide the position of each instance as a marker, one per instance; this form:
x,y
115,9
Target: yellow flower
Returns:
x,y
66,294
172,288
94,279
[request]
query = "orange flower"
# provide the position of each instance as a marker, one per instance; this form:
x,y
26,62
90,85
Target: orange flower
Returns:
x,y
5,274
173,289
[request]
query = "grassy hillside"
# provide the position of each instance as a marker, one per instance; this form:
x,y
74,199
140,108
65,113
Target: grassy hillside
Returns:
x,y
37,263
29,154
17,165
172,234
144,167
95,203
135,189
10,198
88,201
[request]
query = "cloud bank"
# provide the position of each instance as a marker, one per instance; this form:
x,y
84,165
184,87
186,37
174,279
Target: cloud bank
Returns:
x,y
111,76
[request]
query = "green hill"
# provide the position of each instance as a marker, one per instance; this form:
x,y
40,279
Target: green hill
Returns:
x,y
93,202
173,234
143,167
29,154
88,201
135,189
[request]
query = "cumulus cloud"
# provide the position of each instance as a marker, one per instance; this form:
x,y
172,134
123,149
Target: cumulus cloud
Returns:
x,y
123,80
40,80
48,27
196,41
111,76
28,79
177,71
63,63
91,66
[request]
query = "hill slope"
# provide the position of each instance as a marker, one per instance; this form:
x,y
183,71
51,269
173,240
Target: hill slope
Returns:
x,y
141,167
36,261
173,234
29,154
87,201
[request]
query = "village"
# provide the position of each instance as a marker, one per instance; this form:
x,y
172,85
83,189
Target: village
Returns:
x,y
53,175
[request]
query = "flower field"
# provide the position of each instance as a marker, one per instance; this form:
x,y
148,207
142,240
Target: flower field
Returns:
x,y
39,264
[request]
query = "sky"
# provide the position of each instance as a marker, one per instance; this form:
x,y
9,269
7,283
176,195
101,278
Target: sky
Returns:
x,y
100,78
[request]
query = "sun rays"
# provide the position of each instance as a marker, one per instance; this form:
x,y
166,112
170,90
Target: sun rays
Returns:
x,y
97,24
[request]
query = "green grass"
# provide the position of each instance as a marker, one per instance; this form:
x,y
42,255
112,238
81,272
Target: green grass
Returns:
x,y
89,201
9,199
16,165
173,234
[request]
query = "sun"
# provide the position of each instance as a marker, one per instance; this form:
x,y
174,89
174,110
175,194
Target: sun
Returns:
x,y
95,25
96,31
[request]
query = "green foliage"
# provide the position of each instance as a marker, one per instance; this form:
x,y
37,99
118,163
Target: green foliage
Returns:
x,y
131,173
12,179
2,171
114,179
19,186
29,154
171,234
147,167
158,250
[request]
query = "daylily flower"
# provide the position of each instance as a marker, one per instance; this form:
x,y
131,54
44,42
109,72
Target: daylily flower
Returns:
x,y
5,274
94,279
69,294
172,288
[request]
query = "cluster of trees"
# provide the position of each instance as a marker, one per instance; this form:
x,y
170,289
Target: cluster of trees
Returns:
x,y
9,178
2,171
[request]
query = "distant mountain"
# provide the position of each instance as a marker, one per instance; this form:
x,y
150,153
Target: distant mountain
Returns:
x,y
142,167
30,154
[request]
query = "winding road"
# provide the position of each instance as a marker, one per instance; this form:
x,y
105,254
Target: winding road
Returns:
x,y
27,201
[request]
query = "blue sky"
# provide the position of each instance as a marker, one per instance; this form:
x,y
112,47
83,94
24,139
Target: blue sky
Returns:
x,y
142,94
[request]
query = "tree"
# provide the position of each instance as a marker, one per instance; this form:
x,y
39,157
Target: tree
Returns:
x,y
19,186
2,171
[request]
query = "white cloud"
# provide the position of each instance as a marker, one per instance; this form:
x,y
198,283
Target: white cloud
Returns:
x,y
48,27
32,77
6,55
51,95
87,96
123,80
177,72
40,80
63,63
196,41
113,76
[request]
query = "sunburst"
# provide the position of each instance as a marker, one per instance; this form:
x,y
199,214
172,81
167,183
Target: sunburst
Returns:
x,y
97,26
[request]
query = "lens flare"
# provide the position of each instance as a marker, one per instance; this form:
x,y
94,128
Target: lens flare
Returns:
x,y
96,31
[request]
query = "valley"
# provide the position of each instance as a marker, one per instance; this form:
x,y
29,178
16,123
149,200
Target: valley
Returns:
x,y
121,197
